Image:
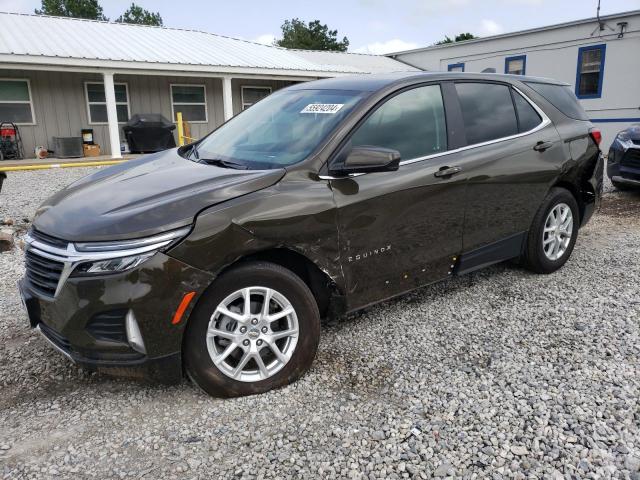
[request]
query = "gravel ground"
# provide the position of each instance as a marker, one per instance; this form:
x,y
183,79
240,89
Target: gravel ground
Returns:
x,y
500,374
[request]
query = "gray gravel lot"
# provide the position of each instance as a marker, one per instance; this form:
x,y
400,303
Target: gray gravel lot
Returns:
x,y
500,374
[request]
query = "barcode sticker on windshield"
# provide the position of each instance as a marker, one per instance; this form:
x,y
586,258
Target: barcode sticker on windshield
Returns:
x,y
322,108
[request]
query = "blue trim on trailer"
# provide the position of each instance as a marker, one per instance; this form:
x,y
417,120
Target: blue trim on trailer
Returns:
x,y
614,120
581,50
517,57
451,66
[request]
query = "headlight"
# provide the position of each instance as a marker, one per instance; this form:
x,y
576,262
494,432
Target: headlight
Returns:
x,y
114,265
99,258
623,136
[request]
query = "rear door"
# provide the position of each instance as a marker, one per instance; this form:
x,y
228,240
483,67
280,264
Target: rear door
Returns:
x,y
401,229
512,156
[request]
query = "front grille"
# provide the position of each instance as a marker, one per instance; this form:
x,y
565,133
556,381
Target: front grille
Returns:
x,y
55,337
631,158
43,274
48,239
109,326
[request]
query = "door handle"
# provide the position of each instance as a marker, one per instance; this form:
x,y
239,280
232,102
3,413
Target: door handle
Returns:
x,y
542,146
445,172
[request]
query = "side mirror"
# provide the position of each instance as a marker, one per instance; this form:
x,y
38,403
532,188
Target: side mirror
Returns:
x,y
368,159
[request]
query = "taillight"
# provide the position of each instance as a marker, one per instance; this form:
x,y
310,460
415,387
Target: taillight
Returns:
x,y
596,135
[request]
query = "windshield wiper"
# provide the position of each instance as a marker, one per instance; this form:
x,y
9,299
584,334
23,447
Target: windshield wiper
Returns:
x,y
218,162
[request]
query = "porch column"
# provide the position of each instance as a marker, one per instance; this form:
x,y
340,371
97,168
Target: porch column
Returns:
x,y
227,98
112,115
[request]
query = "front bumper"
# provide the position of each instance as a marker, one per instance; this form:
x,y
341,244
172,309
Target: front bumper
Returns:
x,y
85,321
623,165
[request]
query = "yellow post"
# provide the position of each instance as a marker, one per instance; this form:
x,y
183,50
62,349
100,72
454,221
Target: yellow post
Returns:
x,y
180,129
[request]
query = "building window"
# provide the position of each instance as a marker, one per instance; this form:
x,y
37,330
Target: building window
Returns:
x,y
590,71
251,95
456,67
191,101
515,65
97,102
15,101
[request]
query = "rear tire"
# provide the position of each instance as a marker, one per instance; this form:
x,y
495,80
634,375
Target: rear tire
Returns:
x,y
553,232
222,333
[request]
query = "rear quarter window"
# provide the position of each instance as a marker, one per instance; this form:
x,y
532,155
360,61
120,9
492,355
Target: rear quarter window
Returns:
x,y
561,97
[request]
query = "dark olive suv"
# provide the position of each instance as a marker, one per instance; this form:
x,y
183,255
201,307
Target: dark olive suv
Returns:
x,y
220,258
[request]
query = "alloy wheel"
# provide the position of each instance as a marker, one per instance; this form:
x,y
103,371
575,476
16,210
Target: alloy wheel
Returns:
x,y
252,334
558,229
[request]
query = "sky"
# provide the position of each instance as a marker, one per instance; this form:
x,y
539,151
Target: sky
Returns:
x,y
372,26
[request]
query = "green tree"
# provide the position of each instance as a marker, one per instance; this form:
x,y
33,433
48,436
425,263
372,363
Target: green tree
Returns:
x,y
137,14
314,36
90,9
458,38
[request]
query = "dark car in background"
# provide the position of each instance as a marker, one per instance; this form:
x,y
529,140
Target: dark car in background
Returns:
x,y
623,161
220,258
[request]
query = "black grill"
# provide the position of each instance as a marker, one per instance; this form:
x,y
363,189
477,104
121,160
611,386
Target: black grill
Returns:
x,y
631,158
109,326
43,274
55,337
48,239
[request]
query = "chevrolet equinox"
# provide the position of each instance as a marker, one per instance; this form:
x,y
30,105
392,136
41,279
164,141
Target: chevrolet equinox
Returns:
x,y
219,258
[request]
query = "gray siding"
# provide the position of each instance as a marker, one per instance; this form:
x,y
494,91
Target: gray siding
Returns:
x,y
60,107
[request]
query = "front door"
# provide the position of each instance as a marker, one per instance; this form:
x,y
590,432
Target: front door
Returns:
x,y
401,229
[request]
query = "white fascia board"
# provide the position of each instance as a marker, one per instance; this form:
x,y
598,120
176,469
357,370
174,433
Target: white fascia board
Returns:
x,y
145,68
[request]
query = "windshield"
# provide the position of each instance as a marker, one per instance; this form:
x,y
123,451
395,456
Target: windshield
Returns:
x,y
278,131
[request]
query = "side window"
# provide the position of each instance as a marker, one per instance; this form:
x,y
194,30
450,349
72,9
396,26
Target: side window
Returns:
x,y
15,101
528,118
251,95
562,98
191,100
412,122
515,65
97,102
590,71
487,111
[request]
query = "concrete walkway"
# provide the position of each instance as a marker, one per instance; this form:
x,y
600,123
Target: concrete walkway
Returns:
x,y
57,161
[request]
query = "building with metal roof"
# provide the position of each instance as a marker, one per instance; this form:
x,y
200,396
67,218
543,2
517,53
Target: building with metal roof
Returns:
x,y
62,75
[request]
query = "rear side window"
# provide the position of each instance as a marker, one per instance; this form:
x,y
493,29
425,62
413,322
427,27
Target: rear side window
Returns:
x,y
561,97
528,118
487,111
411,122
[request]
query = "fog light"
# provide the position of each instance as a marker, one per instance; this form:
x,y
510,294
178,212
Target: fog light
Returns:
x,y
133,333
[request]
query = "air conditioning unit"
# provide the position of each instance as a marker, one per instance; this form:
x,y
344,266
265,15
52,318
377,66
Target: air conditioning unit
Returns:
x,y
67,147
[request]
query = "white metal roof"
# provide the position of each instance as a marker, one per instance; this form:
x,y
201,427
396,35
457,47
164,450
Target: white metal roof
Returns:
x,y
32,39
363,62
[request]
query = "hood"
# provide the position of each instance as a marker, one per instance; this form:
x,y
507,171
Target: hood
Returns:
x,y
143,197
634,133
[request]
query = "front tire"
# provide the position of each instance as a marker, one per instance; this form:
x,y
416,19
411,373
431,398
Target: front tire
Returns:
x,y
255,329
553,232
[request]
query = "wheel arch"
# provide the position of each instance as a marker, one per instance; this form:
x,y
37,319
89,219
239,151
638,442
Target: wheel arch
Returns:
x,y
324,288
573,190
329,295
